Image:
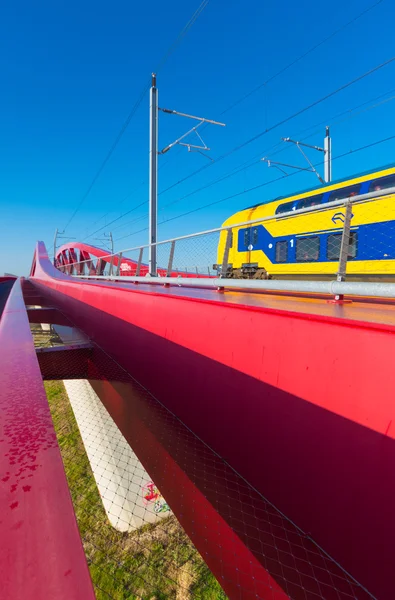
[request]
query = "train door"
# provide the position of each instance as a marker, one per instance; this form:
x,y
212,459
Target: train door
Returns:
x,y
253,245
248,242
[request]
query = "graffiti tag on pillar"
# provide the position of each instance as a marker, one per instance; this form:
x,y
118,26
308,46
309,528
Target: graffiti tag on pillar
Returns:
x,y
151,495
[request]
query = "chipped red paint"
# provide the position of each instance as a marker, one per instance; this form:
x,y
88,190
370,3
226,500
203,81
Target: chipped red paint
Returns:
x,y
39,538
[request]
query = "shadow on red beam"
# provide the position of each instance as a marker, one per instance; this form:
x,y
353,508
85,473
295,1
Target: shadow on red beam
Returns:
x,y
32,296
35,300
47,315
41,554
5,289
62,363
253,550
301,406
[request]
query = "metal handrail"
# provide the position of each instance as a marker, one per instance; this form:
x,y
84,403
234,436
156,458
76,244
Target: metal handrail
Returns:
x,y
331,288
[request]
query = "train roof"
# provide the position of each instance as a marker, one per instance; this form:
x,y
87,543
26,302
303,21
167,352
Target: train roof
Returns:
x,y
317,189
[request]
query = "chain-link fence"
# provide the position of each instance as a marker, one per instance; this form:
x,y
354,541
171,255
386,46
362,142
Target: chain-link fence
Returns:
x,y
337,235
372,237
135,546
117,444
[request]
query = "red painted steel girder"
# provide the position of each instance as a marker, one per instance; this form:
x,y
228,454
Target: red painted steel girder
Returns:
x,y
41,554
66,257
46,315
300,404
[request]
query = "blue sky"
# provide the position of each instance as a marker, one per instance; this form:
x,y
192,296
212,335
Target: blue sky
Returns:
x,y
71,73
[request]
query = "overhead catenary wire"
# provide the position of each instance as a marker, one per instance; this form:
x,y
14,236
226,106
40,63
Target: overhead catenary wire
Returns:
x,y
301,57
350,112
267,81
128,195
255,160
260,185
135,107
227,176
283,121
365,147
172,48
117,219
238,169
109,154
251,162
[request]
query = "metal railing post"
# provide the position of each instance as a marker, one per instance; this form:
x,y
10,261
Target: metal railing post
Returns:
x,y
117,272
344,248
225,259
140,260
153,179
100,267
110,268
171,257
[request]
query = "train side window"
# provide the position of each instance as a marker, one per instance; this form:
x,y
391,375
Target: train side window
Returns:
x,y
346,192
308,248
333,245
246,237
254,240
311,201
281,252
383,183
286,207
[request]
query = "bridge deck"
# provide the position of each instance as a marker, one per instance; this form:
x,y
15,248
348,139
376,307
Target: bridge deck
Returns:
x,y
294,393
378,312
41,554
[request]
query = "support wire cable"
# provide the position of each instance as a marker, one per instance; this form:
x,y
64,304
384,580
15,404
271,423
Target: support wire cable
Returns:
x,y
283,121
301,57
125,125
275,75
260,185
256,159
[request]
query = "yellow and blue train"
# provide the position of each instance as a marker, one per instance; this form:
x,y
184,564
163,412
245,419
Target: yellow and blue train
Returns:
x,y
307,244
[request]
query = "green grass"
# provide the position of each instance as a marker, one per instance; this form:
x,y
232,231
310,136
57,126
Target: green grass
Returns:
x,y
43,338
157,562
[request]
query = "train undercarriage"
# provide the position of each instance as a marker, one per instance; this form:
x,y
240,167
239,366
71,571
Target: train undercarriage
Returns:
x,y
253,271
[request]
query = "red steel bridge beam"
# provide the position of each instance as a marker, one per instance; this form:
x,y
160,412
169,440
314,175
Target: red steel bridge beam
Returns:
x,y
41,554
300,405
66,257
